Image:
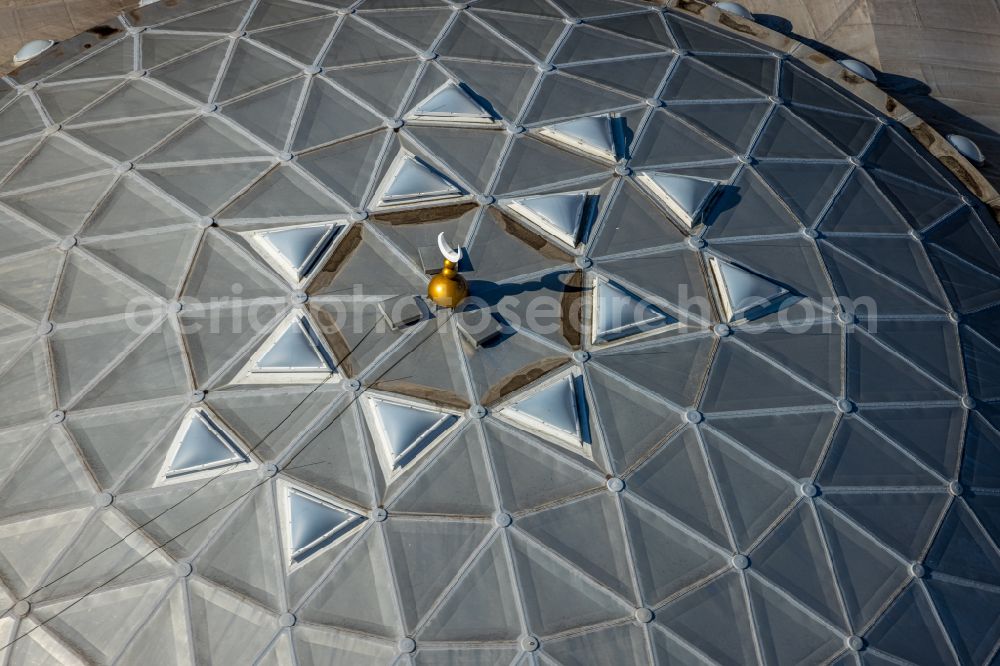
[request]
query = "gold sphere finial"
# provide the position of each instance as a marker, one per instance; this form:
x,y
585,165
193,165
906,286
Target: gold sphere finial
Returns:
x,y
447,289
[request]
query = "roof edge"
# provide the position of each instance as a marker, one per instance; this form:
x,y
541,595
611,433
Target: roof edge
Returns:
x,y
936,144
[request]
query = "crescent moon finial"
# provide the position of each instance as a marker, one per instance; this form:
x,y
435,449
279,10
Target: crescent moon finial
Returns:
x,y
454,256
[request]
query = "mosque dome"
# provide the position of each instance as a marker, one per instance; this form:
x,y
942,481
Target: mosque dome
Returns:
x,y
724,390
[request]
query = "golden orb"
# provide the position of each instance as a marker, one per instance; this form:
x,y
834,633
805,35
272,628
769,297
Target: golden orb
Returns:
x,y
448,288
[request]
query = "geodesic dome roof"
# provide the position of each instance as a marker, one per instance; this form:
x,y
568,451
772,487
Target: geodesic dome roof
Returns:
x,y
726,391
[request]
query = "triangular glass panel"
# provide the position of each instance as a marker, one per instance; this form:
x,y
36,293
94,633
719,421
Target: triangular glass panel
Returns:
x,y
789,636
793,442
347,167
205,188
470,153
735,125
268,114
450,104
63,208
867,572
220,19
127,141
293,354
62,102
114,60
850,133
591,136
617,314
312,523
911,630
57,158
757,72
691,80
383,85
785,136
875,374
531,163
698,616
690,561
556,597
357,44
529,473
892,153
419,27
409,180
329,115
562,215
20,118
426,556
585,42
278,12
200,445
971,616
282,192
748,208
744,295
800,87
962,549
246,555
404,430
554,408
794,556
195,74
806,188
481,604
158,261
294,251
753,495
134,99
589,534
509,85
456,482
741,380
903,521
356,595
159,48
302,41
207,138
633,222
535,33
468,39
686,197
640,77
666,140
133,206
860,207
251,68
561,96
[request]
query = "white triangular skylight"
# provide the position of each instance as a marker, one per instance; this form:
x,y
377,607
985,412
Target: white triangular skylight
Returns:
x,y
201,445
293,354
618,314
410,180
687,197
592,136
294,251
561,215
403,429
450,104
553,409
312,523
744,295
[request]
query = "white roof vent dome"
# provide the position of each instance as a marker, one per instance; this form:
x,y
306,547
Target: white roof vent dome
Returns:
x,y
859,68
32,49
735,8
968,148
